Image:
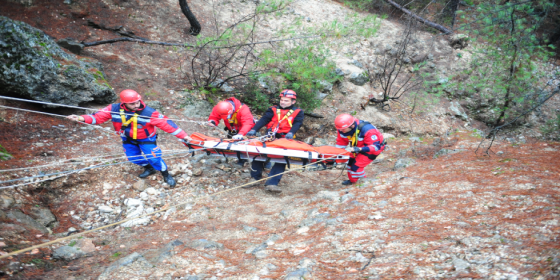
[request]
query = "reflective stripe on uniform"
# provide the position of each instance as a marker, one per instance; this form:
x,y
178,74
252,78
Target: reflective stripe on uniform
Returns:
x,y
93,120
176,132
340,146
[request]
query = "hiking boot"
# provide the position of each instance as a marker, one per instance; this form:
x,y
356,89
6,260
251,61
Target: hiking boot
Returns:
x,y
346,183
168,178
148,170
251,184
272,188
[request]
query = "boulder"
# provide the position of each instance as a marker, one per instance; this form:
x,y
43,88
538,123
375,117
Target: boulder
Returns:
x,y
198,109
358,79
34,66
457,111
459,41
6,201
18,216
42,215
71,45
403,163
68,253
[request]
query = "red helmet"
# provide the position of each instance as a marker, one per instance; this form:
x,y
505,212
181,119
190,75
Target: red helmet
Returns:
x,y
224,108
129,96
288,93
343,121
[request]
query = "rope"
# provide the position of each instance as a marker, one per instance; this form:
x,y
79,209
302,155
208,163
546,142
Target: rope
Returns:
x,y
142,216
56,115
79,161
83,108
66,173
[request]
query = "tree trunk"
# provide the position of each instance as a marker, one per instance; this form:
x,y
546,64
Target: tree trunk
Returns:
x,y
420,19
195,26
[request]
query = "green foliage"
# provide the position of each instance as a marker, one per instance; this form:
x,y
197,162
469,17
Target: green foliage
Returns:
x,y
72,243
551,129
4,155
302,69
503,69
254,97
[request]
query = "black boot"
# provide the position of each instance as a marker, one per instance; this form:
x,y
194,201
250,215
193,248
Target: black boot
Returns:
x,y
168,179
346,183
148,170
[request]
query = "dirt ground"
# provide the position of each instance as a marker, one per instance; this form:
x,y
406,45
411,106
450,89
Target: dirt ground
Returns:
x,y
498,212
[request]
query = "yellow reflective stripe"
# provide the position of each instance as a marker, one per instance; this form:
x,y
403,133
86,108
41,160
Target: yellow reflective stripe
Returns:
x,y
233,119
133,120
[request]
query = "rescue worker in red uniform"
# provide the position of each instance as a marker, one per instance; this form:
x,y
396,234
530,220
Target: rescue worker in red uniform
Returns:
x,y
136,124
366,143
283,120
236,116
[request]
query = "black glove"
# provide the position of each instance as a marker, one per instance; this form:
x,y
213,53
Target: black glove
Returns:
x,y
251,133
289,135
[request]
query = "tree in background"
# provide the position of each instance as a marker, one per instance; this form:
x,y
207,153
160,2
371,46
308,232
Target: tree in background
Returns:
x,y
503,74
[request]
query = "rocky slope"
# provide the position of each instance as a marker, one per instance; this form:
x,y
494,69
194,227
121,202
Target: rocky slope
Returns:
x,y
431,207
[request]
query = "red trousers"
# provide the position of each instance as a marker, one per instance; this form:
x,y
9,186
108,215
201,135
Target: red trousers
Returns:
x,y
356,167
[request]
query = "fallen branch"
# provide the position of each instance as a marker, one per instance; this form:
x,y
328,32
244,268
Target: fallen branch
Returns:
x,y
119,29
420,19
128,39
313,115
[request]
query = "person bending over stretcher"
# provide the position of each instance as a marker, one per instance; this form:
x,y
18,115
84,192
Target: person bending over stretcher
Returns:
x,y
366,143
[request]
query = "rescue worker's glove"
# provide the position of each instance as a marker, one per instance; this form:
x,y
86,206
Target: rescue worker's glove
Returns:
x,y
353,149
237,137
289,135
251,133
211,123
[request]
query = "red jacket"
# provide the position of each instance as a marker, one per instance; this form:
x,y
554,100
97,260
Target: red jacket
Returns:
x,y
242,120
369,138
147,120
282,120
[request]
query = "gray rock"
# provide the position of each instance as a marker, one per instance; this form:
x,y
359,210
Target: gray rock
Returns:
x,y
42,215
105,209
205,244
328,195
357,63
21,218
382,204
24,2
358,79
225,87
346,197
459,41
6,202
11,230
339,72
198,109
460,265
415,139
140,185
403,163
300,274
156,104
121,262
159,255
249,229
326,87
71,45
3,215
35,67
457,111
447,152
68,253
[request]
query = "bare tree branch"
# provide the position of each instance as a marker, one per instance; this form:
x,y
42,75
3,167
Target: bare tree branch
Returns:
x,y
420,19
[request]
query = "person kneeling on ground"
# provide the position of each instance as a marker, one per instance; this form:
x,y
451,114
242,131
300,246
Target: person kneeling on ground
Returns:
x,y
136,123
366,143
284,120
